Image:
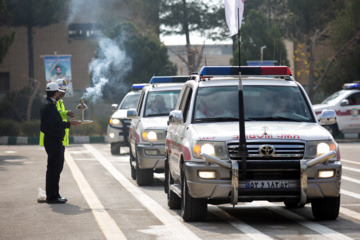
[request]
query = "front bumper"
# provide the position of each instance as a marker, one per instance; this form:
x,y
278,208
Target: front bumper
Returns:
x,y
118,135
227,184
151,156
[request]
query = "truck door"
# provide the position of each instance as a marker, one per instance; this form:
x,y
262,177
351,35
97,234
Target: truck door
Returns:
x,y
350,113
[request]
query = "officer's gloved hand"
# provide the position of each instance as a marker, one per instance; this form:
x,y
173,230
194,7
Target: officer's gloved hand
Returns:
x,y
71,114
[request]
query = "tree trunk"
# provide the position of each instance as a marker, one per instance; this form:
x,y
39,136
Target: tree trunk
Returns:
x,y
32,96
189,51
311,50
30,43
353,40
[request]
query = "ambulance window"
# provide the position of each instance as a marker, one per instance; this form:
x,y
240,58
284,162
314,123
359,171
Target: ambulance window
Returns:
x,y
354,99
185,102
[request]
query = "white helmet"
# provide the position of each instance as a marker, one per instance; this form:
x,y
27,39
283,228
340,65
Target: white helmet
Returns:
x,y
53,87
62,84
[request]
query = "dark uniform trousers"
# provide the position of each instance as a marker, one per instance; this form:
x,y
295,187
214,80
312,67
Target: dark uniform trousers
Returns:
x,y
55,163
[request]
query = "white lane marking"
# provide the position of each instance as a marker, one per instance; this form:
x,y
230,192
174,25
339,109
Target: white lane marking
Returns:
x,y
238,224
351,169
327,232
174,225
85,159
351,179
350,213
351,194
10,151
349,161
107,224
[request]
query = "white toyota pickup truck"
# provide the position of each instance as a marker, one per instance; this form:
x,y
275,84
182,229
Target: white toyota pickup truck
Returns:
x,y
289,156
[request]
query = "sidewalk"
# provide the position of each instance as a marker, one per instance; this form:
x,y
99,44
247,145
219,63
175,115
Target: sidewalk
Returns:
x,y
35,140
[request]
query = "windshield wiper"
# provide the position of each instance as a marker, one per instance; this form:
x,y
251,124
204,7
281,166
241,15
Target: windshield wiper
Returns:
x,y
217,119
275,119
157,114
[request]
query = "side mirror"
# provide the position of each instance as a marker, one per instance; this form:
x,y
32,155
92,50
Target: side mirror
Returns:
x,y
131,113
344,102
176,117
327,117
114,107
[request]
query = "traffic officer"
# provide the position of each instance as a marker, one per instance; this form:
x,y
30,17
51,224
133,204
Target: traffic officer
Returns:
x,y
53,127
64,113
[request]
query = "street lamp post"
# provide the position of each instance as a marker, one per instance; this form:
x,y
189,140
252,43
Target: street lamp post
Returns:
x,y
261,53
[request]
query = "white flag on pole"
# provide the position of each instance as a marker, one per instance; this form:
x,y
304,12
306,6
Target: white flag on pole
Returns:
x,y
234,10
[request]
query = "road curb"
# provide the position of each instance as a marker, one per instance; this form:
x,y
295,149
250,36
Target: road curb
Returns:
x,y
10,140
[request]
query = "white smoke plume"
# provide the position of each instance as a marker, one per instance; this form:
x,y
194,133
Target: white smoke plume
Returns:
x,y
111,65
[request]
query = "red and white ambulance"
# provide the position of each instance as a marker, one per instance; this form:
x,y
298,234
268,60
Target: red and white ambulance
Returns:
x,y
346,104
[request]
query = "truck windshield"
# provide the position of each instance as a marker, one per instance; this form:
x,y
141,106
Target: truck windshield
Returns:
x,y
161,103
130,101
262,103
335,97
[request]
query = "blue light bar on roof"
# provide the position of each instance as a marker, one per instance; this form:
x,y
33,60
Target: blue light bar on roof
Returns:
x,y
246,71
351,86
169,79
139,86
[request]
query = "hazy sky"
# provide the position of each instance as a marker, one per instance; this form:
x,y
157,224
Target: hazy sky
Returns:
x,y
194,39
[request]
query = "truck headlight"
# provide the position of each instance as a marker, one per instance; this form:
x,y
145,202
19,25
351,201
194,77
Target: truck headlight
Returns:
x,y
153,135
216,149
115,122
317,148
326,173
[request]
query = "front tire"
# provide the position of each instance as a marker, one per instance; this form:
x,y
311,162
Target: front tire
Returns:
x,y
144,177
133,170
326,208
192,209
115,148
174,202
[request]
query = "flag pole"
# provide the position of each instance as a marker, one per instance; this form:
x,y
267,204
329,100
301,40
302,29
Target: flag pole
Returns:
x,y
242,137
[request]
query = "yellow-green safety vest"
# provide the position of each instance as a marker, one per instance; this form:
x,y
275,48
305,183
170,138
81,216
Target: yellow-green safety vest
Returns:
x,y
63,113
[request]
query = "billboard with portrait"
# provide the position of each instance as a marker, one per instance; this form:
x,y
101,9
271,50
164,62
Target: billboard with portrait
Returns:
x,y
59,67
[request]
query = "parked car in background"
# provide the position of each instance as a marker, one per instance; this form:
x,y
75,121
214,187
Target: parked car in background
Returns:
x,y
118,127
346,104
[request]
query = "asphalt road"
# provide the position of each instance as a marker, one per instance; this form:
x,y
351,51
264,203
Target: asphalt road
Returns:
x,y
105,203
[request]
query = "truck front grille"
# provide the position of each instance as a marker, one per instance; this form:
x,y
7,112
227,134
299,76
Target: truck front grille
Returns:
x,y
269,150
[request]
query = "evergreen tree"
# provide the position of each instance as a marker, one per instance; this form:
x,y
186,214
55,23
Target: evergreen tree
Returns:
x,y
182,17
254,35
6,40
31,14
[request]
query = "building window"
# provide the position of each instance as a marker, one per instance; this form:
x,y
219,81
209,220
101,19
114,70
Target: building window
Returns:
x,y
4,81
83,30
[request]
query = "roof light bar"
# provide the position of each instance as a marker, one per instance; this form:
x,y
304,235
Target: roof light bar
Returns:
x,y
246,71
169,79
351,86
139,86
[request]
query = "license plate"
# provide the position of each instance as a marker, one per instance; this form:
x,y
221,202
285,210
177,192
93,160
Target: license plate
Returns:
x,y
266,184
